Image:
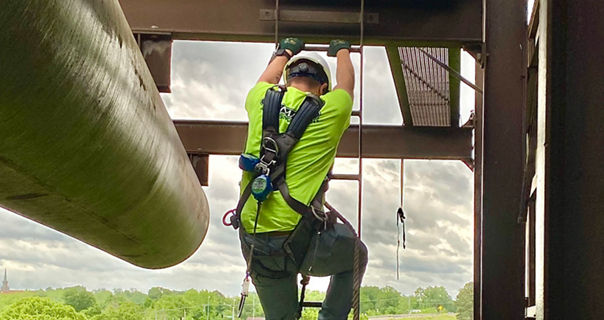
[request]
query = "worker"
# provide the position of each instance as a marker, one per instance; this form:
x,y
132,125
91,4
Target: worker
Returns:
x,y
287,228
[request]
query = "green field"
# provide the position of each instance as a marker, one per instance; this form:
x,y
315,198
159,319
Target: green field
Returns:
x,y
77,303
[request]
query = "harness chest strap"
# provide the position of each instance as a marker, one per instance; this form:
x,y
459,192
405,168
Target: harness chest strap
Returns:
x,y
284,143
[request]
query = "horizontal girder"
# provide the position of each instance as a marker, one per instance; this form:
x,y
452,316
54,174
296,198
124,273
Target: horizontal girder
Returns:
x,y
434,21
378,141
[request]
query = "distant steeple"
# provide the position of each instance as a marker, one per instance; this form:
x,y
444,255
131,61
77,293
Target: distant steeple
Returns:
x,y
4,287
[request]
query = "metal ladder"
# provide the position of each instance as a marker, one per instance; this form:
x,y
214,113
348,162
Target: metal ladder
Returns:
x,y
358,177
351,177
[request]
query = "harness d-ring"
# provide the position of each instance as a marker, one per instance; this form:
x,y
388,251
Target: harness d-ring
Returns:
x,y
270,144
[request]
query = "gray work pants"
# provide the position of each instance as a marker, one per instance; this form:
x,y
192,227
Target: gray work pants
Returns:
x,y
274,274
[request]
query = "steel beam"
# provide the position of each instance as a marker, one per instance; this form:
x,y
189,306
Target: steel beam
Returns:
x,y
545,294
396,69
234,20
87,146
502,278
454,82
378,141
157,51
569,161
478,149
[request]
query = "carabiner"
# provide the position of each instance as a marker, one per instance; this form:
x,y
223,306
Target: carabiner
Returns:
x,y
226,215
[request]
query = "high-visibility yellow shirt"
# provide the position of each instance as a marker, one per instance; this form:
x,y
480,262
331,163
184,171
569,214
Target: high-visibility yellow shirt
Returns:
x,y
307,163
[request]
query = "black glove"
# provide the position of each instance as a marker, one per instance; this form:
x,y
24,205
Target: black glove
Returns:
x,y
337,45
294,44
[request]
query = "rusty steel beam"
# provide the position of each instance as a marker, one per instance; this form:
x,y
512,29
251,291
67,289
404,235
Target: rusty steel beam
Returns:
x,y
234,20
378,141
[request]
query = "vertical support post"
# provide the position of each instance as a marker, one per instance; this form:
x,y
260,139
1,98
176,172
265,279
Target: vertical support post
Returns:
x,y
478,148
530,254
157,51
569,169
455,64
502,278
201,165
542,153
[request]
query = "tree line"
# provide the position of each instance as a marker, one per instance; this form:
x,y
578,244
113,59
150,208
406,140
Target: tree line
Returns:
x,y
77,303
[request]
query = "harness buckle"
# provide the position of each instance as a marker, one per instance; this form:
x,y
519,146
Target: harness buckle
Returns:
x,y
263,167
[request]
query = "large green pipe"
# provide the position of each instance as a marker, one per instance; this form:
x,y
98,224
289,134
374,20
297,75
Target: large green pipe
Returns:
x,y
86,144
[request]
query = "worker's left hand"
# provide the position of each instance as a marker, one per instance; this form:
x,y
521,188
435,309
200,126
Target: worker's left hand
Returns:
x,y
337,45
295,45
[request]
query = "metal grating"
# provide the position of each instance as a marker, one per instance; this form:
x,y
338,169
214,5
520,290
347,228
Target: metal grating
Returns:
x,y
427,85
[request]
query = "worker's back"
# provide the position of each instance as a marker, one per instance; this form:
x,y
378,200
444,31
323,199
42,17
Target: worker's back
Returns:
x,y
307,163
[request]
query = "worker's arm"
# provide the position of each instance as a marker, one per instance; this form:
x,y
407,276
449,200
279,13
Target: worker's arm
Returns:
x,y
273,71
344,71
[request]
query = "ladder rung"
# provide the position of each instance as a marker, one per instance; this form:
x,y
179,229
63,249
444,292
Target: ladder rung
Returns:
x,y
312,304
319,16
344,177
324,47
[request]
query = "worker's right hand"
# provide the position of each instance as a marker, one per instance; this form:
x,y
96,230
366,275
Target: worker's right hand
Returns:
x,y
295,45
337,45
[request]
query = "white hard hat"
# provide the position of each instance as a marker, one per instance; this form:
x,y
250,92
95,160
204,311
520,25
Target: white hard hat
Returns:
x,y
321,74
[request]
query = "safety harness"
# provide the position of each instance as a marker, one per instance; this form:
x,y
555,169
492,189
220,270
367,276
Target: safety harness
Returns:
x,y
269,172
270,169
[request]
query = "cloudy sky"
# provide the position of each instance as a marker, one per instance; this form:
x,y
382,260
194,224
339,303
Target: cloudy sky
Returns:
x,y
210,81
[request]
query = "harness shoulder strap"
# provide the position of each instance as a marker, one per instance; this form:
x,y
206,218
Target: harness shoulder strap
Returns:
x,y
270,124
272,106
308,111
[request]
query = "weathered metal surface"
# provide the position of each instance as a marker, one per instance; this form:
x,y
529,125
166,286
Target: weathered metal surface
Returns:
x,y
318,16
86,146
502,263
449,21
201,165
378,141
396,69
570,199
157,51
542,167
